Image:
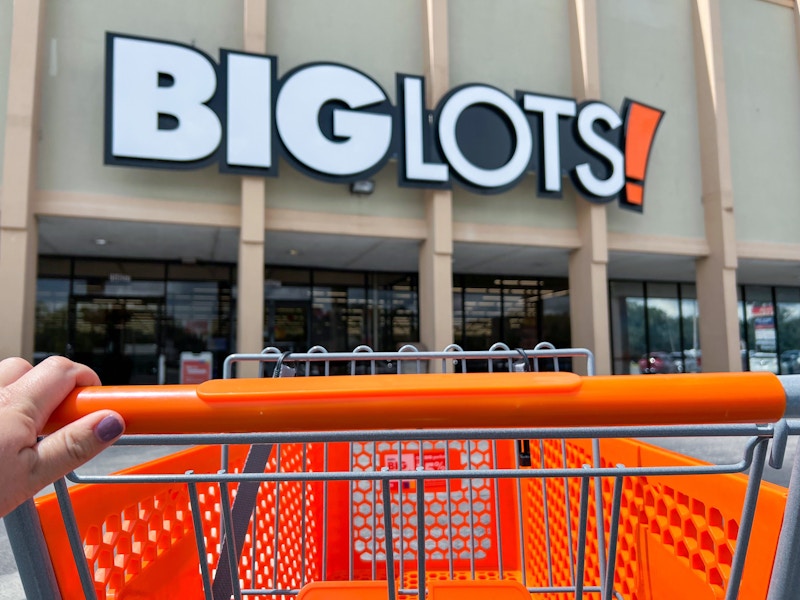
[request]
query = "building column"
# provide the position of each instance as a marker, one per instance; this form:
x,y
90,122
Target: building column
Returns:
x,y
250,271
588,265
716,273
18,230
436,251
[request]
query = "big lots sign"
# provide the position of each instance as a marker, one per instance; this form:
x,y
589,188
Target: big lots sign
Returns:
x,y
170,105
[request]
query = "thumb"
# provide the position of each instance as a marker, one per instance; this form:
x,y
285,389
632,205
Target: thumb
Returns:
x,y
68,448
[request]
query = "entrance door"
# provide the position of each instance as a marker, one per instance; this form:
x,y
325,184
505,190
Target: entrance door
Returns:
x,y
287,325
118,338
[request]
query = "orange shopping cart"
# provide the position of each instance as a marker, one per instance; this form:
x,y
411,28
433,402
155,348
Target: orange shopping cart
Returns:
x,y
440,475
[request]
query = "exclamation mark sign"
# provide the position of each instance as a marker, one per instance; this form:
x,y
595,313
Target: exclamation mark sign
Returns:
x,y
641,122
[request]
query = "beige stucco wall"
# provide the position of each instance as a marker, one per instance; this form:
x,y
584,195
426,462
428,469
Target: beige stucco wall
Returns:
x,y
646,55
378,37
519,207
763,80
513,45
6,14
295,191
72,91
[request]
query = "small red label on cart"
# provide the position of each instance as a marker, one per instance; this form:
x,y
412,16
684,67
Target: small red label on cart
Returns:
x,y
409,463
432,460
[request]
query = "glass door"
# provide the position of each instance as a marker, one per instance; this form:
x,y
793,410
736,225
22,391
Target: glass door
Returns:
x,y
287,325
118,337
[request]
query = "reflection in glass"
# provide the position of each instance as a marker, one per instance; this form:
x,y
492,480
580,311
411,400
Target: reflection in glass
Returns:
x,y
518,312
654,328
788,328
52,305
759,329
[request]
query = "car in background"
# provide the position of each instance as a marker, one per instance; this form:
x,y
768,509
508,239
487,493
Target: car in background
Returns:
x,y
763,361
691,361
658,362
790,362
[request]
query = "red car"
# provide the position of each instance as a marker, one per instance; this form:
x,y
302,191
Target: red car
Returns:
x,y
657,362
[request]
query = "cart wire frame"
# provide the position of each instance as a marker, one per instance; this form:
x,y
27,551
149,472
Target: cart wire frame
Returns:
x,y
388,483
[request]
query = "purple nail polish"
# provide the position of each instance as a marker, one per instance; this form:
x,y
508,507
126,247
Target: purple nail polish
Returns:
x,y
108,429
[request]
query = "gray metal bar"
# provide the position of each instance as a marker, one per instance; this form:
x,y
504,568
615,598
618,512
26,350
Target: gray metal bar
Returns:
x,y
388,535
30,551
199,538
417,356
246,496
351,551
231,554
598,499
498,515
362,476
421,538
303,535
400,516
546,510
583,521
75,542
471,520
449,505
791,385
661,431
325,514
608,584
521,521
374,514
277,546
746,521
785,581
568,513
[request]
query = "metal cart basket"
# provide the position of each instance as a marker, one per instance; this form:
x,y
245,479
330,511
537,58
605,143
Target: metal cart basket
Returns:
x,y
444,475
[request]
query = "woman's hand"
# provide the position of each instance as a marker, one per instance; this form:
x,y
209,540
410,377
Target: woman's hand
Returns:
x,y
28,395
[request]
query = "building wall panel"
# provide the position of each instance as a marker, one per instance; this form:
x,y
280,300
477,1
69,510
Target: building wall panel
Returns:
x,y
646,54
763,83
72,93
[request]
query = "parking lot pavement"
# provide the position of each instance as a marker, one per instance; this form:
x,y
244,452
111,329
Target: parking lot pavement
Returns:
x,y
10,584
112,460
717,450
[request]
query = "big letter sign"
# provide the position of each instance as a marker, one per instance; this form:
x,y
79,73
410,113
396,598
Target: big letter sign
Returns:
x,y
171,106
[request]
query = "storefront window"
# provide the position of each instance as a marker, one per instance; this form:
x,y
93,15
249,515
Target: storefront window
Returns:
x,y
518,312
338,310
692,359
52,306
555,313
132,320
393,311
116,311
479,312
197,316
788,300
664,326
654,328
629,333
287,309
758,328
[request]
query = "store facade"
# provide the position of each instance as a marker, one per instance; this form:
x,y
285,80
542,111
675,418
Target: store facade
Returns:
x,y
219,177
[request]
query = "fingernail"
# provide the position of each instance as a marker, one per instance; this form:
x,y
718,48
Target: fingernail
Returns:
x,y
109,428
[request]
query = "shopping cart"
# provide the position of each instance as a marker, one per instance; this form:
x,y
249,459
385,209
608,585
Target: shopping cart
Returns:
x,y
422,477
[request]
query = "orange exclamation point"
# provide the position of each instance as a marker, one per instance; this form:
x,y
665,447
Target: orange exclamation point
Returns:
x,y
641,122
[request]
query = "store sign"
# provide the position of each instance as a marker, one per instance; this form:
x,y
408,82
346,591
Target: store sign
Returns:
x,y
170,105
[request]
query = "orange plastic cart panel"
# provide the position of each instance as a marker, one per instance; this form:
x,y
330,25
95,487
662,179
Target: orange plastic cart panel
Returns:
x,y
345,590
477,590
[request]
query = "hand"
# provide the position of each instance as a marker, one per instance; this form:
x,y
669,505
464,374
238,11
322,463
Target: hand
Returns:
x,y
28,395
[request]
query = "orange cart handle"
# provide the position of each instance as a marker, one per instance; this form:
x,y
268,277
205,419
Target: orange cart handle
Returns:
x,y
468,400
